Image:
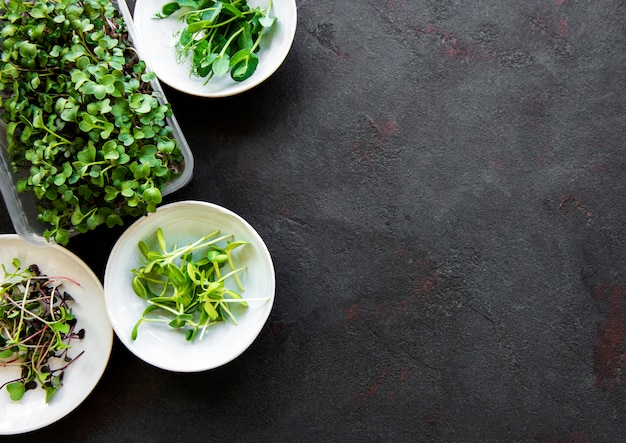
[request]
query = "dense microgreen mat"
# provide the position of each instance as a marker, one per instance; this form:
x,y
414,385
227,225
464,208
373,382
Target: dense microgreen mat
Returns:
x,y
86,132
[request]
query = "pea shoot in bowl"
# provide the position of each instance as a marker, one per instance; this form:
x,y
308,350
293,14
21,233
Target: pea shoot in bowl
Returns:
x,y
189,287
215,48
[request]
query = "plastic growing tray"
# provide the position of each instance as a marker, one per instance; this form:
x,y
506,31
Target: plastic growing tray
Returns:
x,y
22,207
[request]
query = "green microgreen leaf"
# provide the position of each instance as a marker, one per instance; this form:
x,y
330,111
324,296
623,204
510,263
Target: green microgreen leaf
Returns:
x,y
50,391
243,64
139,287
168,9
267,22
6,353
16,390
221,65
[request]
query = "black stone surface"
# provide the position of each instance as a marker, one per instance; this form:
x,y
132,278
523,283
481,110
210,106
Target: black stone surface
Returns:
x,y
441,186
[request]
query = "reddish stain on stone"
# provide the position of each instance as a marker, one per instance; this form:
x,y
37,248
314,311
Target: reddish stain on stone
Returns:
x,y
434,416
367,392
278,330
370,147
562,30
609,351
390,310
384,129
541,158
353,313
426,278
453,47
599,169
495,163
423,285
404,373
548,27
404,255
572,205
539,106
492,158
285,210
421,289
360,152
386,382
560,2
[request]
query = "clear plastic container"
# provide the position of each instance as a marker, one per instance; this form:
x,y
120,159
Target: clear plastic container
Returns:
x,y
22,207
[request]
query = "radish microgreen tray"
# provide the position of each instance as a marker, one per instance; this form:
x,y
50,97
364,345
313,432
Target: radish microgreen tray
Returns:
x,y
86,133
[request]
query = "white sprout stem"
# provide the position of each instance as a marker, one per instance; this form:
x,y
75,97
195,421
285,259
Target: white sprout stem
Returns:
x,y
23,306
54,288
205,327
205,241
156,320
232,267
24,310
7,333
230,314
233,272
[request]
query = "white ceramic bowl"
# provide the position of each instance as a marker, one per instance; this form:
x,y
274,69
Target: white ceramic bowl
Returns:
x,y
156,42
82,376
158,344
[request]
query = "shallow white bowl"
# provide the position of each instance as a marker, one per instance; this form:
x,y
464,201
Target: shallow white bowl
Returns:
x,y
82,376
158,344
157,40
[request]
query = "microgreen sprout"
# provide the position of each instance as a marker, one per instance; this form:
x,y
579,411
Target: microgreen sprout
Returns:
x,y
86,133
219,36
36,327
186,286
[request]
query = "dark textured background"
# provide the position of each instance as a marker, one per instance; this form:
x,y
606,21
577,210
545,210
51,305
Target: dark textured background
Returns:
x,y
441,186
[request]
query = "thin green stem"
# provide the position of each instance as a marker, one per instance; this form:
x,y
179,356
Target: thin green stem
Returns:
x,y
229,41
164,307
